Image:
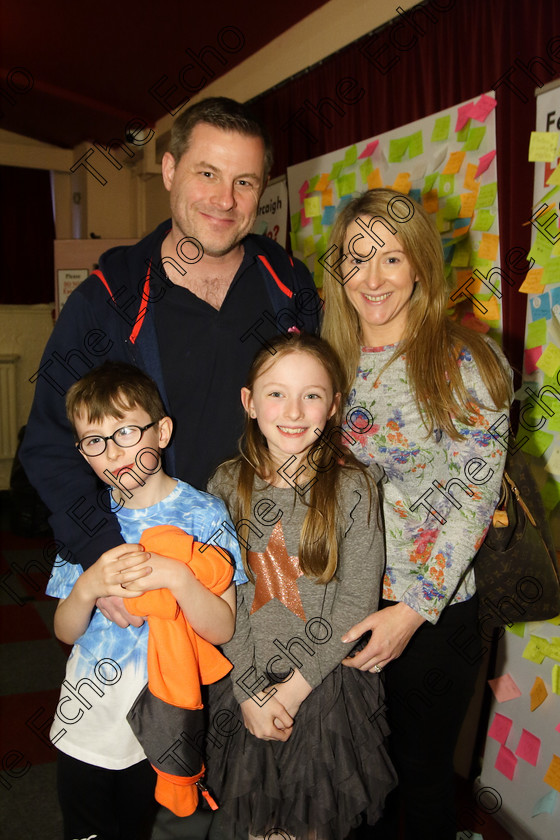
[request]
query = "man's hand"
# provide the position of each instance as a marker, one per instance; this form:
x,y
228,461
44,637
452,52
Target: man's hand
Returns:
x,y
270,722
391,630
115,610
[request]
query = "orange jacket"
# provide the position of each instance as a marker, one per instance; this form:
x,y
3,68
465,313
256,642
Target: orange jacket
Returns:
x,y
179,660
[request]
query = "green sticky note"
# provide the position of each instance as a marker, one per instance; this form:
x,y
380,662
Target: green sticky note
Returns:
x,y
484,220
429,182
553,423
365,168
517,629
346,184
461,254
295,219
317,225
415,146
483,266
313,182
441,129
351,155
536,334
462,135
486,195
540,250
556,679
321,245
452,207
397,149
446,185
312,207
294,241
551,273
336,170
538,443
475,138
308,246
550,493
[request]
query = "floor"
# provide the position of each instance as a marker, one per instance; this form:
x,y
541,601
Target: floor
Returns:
x,y
31,670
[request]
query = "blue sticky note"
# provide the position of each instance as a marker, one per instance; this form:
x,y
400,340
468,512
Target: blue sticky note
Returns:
x,y
540,306
328,215
346,199
555,296
546,804
416,195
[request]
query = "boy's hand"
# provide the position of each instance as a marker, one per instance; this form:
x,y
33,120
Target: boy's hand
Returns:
x,y
115,610
166,573
115,568
270,722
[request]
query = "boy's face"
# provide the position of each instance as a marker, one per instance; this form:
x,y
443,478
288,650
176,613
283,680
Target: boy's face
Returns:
x,y
129,466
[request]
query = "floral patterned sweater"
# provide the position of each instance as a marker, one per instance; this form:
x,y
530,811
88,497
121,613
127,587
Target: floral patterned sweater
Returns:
x,y
440,494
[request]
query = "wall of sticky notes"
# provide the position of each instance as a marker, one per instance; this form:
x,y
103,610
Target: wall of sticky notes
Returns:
x,y
541,365
272,215
446,161
522,750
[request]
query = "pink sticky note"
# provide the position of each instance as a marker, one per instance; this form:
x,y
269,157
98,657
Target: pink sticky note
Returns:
x,y
463,115
483,107
304,220
484,162
528,747
557,728
303,190
506,762
369,149
504,688
499,730
530,359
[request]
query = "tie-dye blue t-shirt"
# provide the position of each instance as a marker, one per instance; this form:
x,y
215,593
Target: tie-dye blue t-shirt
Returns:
x,y
107,667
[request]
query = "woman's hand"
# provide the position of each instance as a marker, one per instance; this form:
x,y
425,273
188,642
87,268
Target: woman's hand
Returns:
x,y
391,630
269,721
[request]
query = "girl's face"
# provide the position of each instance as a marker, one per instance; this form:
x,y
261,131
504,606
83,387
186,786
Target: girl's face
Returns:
x,y
381,288
291,399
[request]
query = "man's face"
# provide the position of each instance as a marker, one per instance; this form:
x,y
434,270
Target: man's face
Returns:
x,y
215,187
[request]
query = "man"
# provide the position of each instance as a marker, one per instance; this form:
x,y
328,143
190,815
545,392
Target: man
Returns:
x,y
190,304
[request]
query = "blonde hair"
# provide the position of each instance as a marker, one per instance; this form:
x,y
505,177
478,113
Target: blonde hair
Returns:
x,y
318,547
431,342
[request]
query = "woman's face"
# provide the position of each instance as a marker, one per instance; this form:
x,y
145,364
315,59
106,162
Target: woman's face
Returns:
x,y
381,287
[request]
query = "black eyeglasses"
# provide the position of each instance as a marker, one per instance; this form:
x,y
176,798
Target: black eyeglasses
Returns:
x,y
93,445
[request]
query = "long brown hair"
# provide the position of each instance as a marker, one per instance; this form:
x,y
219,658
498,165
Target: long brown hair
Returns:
x,y
321,532
432,341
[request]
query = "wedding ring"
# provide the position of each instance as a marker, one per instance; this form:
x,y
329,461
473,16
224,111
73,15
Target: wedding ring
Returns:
x,y
377,669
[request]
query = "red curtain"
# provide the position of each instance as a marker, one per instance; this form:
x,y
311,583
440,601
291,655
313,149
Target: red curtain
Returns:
x,y
26,236
436,55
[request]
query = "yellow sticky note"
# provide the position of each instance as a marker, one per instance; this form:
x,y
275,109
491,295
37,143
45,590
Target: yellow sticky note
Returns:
x,y
533,650
461,256
488,248
552,776
374,180
549,362
533,282
468,200
312,206
551,273
308,246
469,183
538,695
403,183
454,163
543,145
493,310
554,179
553,462
327,198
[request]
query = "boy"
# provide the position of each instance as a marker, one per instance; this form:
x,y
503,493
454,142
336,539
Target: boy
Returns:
x,y
105,783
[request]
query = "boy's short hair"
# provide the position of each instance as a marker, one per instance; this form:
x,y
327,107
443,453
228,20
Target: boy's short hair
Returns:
x,y
111,389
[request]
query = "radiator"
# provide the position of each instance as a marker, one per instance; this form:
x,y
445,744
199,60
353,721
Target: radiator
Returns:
x,y
8,405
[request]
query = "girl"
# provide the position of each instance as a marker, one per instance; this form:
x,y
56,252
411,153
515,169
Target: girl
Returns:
x,y
296,749
425,392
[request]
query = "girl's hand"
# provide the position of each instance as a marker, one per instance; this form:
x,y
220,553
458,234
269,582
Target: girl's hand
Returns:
x,y
270,722
391,630
292,692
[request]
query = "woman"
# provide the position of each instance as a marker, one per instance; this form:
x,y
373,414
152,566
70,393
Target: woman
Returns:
x,y
425,392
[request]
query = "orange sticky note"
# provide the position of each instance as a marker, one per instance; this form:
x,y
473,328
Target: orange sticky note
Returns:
x,y
430,200
538,695
454,163
403,183
323,182
468,200
469,183
533,282
488,248
374,180
327,198
492,310
552,776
